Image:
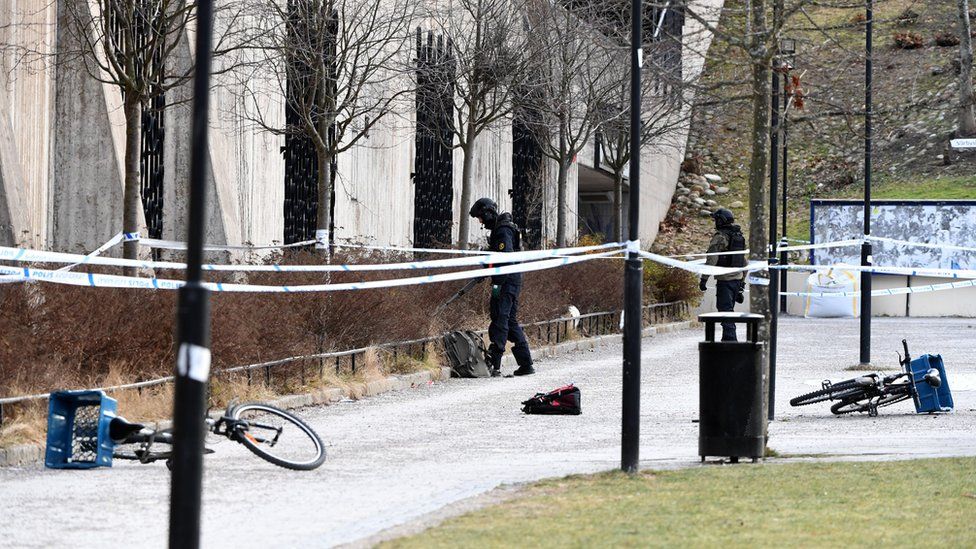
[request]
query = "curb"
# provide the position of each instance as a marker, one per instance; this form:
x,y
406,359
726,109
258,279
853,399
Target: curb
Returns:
x,y
28,454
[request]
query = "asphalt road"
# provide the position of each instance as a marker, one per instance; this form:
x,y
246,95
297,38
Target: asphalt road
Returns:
x,y
400,456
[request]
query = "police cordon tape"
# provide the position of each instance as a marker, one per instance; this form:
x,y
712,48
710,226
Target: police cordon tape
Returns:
x,y
109,244
116,281
889,291
181,246
175,245
821,245
15,274
885,240
38,256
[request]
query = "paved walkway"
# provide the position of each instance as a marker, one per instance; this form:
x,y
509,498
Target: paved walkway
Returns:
x,y
399,456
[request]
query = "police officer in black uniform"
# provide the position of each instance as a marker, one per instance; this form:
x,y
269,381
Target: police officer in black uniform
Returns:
x,y
505,290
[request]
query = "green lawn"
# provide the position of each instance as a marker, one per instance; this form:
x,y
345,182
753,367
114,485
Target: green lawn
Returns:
x,y
923,503
944,188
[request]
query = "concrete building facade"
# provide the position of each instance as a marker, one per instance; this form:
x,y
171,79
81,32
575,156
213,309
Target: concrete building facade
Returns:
x,y
62,139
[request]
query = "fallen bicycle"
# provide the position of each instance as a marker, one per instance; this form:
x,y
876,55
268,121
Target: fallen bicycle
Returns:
x,y
84,431
923,380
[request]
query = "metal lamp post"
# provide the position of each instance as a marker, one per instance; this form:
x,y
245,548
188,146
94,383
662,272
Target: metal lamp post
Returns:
x,y
787,49
865,246
193,355
780,65
633,279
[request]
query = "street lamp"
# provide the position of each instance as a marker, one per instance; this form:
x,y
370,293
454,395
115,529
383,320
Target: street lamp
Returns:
x,y
787,50
865,246
781,65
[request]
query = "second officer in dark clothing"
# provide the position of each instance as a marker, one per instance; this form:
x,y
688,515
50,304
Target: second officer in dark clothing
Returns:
x,y
505,290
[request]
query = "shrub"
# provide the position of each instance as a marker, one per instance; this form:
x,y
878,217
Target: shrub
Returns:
x,y
946,39
70,337
663,284
908,40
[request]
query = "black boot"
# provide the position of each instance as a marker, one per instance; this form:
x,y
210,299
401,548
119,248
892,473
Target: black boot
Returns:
x,y
524,370
494,363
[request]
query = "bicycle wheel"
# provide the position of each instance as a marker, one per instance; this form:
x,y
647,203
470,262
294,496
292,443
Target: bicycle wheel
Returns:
x,y
837,390
862,404
278,437
851,405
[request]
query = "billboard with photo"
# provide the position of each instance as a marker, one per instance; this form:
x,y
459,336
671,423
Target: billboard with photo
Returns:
x,y
943,222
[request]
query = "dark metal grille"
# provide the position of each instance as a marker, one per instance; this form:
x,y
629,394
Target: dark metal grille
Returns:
x,y
666,51
526,191
151,166
301,162
84,434
433,174
153,137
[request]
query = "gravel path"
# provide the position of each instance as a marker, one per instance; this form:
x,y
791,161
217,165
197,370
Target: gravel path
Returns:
x,y
400,456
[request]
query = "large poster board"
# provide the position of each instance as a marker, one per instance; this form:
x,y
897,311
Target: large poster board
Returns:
x,y
948,222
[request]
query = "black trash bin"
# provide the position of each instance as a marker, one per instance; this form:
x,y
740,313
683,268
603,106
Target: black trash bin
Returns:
x,y
731,400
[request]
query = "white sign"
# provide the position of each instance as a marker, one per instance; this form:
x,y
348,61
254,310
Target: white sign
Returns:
x,y
963,143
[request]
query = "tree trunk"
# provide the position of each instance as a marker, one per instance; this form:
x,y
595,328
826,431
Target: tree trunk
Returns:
x,y
758,177
464,227
132,192
967,120
562,208
323,217
618,204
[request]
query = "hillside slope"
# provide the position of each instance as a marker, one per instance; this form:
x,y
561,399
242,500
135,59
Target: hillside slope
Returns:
x,y
915,92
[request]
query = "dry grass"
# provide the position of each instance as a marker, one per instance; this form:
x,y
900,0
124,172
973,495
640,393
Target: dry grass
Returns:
x,y
60,337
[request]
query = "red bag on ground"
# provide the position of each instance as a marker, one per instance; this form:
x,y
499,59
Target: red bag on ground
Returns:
x,y
564,400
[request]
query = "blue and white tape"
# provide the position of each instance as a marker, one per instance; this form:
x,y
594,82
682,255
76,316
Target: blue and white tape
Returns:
x,y
701,268
880,269
888,291
39,256
108,244
116,281
175,245
884,240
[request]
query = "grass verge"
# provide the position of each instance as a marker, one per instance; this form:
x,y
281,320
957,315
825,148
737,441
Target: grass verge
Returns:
x,y
907,503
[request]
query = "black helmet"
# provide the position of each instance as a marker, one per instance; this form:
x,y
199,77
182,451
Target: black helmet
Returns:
x,y
723,217
486,210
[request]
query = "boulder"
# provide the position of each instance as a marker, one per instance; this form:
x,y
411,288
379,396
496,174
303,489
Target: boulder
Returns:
x,y
713,178
709,192
698,188
721,190
736,204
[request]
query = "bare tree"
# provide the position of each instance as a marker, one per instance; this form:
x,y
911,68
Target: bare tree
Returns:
x,y
339,65
127,44
967,121
574,73
665,113
488,45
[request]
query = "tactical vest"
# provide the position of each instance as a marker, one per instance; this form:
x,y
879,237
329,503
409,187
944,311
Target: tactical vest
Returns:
x,y
737,243
516,234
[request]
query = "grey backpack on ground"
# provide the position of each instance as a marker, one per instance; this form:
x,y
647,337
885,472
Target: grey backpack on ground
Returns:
x,y
467,354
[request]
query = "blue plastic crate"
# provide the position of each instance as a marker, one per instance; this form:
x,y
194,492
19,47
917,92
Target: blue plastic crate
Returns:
x,y
928,398
77,430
